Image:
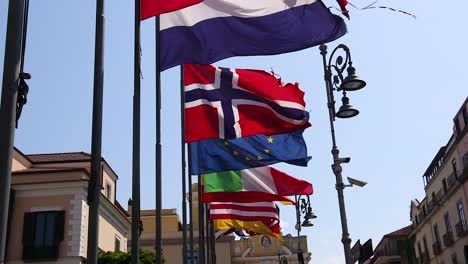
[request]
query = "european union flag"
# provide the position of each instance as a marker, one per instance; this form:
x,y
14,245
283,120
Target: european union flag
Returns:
x,y
215,155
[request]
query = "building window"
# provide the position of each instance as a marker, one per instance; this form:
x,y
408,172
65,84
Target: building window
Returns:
x,y
426,251
419,249
461,214
42,234
454,259
195,257
444,185
448,225
465,116
117,244
454,166
108,191
457,125
436,233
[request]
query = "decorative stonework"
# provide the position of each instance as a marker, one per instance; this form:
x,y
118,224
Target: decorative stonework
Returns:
x,y
76,226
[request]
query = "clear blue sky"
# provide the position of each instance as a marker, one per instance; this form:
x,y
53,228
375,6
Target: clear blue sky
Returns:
x,y
415,75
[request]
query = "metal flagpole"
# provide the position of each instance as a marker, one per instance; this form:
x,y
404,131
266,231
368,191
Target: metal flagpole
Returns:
x,y
208,235
158,243
136,139
203,255
184,183
8,111
201,242
94,189
208,244
190,198
23,87
213,242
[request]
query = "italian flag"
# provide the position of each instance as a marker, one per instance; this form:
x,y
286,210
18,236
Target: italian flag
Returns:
x,y
260,184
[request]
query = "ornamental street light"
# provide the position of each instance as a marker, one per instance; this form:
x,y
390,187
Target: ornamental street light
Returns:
x,y
302,206
335,81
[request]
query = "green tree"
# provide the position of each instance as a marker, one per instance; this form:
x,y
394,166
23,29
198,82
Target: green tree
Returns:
x,y
146,257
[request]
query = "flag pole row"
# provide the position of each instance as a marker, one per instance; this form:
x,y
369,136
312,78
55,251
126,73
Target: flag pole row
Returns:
x,y
190,202
326,27
158,163
136,136
94,189
183,167
16,11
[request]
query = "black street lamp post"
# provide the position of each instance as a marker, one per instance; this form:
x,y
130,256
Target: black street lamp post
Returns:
x,y
302,206
335,82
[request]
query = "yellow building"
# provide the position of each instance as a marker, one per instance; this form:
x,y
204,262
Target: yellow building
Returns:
x,y
439,220
48,219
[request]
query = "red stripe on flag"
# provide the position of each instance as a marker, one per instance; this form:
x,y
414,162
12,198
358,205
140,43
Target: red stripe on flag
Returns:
x,y
242,197
244,208
266,85
266,220
288,185
151,8
252,119
201,122
196,73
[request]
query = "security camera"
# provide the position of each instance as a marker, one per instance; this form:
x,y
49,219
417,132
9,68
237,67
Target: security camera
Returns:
x,y
356,182
344,160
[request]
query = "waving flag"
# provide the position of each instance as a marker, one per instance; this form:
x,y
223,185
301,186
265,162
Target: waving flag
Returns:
x,y
151,8
214,155
225,103
219,29
261,184
259,217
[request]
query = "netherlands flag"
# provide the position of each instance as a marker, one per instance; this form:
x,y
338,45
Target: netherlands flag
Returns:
x,y
217,29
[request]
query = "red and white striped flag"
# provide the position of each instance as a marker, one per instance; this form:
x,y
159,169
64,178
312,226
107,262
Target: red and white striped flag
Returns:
x,y
259,217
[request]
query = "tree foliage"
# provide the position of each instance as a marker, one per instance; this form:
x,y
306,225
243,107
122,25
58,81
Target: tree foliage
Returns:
x,y
146,257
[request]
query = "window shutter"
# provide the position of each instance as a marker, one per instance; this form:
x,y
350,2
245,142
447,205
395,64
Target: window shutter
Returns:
x,y
60,220
28,228
28,235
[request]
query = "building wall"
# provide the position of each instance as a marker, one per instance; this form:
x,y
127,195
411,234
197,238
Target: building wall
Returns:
x,y
16,165
109,178
446,201
34,204
252,250
107,234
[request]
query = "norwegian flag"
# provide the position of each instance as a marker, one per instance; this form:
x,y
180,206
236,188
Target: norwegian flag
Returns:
x,y
233,103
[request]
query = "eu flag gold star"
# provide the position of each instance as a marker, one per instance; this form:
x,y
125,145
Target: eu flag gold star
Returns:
x,y
247,158
235,152
226,143
259,158
266,151
270,140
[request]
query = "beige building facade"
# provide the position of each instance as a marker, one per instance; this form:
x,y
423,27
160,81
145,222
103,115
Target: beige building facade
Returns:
x,y
439,220
267,250
256,249
48,219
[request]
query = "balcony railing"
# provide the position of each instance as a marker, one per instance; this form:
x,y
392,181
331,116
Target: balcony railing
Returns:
x,y
448,239
430,206
439,196
421,216
464,175
425,258
451,180
436,248
460,228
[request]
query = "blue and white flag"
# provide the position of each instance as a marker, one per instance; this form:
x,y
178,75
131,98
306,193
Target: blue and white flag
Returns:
x,y
217,29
